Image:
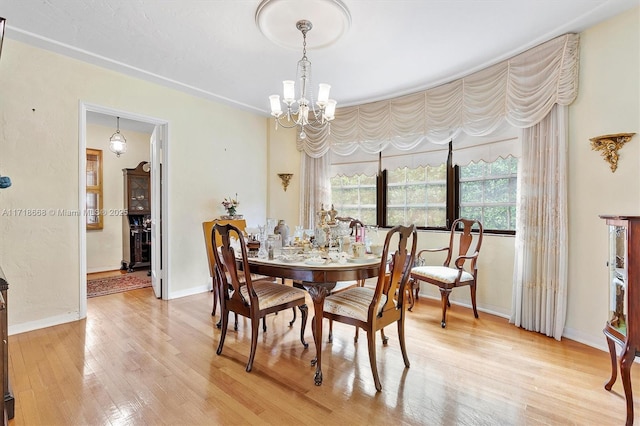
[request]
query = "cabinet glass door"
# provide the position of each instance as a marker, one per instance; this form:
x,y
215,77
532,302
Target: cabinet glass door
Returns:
x,y
139,194
618,278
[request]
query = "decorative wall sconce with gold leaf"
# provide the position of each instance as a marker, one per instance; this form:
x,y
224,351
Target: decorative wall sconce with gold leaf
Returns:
x,y
608,145
286,178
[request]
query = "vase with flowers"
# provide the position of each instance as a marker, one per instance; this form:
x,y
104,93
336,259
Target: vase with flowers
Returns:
x,y
231,206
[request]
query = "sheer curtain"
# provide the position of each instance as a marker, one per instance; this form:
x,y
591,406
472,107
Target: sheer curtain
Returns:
x,y
540,270
315,189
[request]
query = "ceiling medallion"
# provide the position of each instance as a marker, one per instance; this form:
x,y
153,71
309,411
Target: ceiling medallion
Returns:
x,y
275,20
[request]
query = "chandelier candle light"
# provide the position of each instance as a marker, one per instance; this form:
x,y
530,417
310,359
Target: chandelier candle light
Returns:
x,y
298,110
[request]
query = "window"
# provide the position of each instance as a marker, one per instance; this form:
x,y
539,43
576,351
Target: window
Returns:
x,y
417,196
355,196
93,211
488,193
432,197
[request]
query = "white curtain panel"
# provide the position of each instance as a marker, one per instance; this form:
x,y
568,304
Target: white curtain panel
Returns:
x,y
315,189
540,272
521,91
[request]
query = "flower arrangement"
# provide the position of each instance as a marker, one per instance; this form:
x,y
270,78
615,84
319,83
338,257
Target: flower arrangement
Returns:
x,y
230,204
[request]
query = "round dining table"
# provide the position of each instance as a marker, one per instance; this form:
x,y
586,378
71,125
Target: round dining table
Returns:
x,y
319,279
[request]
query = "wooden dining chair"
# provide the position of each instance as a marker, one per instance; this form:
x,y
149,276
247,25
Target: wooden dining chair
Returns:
x,y
452,273
207,227
357,228
210,245
251,299
373,309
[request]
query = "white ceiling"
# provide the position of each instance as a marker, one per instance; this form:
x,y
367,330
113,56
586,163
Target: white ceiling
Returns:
x,y
214,48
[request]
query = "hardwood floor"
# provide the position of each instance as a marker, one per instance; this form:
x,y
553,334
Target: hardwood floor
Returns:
x,y
140,360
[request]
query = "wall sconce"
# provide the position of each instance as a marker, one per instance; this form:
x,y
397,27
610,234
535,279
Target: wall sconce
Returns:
x,y
609,145
286,178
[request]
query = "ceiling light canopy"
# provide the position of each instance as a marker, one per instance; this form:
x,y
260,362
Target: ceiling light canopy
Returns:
x,y
274,18
117,142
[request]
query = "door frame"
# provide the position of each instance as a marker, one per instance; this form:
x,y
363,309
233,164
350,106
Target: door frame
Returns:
x,y
162,128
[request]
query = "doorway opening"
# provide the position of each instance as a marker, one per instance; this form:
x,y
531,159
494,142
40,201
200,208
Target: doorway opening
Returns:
x,y
147,145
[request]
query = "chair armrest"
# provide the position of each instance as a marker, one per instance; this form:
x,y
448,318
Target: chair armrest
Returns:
x,y
431,250
419,261
459,262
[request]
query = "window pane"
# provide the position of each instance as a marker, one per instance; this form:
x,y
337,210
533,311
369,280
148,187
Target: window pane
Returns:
x,y
488,193
417,196
355,196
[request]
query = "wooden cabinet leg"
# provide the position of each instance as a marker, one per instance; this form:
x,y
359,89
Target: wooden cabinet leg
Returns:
x,y
614,364
626,362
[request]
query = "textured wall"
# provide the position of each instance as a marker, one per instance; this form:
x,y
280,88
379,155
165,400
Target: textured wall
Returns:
x,y
215,150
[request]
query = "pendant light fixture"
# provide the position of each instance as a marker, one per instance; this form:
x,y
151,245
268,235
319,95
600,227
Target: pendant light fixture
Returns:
x,y
117,142
302,112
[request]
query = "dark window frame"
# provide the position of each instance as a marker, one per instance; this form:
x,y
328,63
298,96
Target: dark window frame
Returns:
x,y
453,199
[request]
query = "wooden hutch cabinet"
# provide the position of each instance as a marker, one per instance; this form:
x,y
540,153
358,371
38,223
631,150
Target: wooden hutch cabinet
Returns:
x,y
136,241
623,324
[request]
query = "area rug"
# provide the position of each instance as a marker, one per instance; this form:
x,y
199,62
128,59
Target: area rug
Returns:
x,y
103,286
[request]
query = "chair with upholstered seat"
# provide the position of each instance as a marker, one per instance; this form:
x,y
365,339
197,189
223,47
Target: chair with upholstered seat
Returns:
x,y
251,299
207,228
452,273
357,228
373,309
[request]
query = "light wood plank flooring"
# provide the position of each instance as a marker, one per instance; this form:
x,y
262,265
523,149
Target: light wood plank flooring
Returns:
x,y
140,360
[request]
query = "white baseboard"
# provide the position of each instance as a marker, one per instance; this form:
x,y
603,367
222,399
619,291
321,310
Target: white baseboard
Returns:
x,y
43,323
103,269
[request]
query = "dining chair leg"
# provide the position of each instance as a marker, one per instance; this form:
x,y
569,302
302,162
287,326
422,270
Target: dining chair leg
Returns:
x,y
255,323
385,339
304,310
235,323
330,337
403,347
473,300
410,297
371,339
264,323
224,318
294,316
444,296
215,299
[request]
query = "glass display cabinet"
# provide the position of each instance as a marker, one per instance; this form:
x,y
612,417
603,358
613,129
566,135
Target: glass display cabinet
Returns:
x,y
136,241
623,323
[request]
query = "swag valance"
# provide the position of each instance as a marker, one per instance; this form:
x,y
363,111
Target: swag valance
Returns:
x,y
521,91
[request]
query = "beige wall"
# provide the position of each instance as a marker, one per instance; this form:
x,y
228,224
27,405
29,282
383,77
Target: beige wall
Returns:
x,y
104,246
283,158
608,102
209,145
